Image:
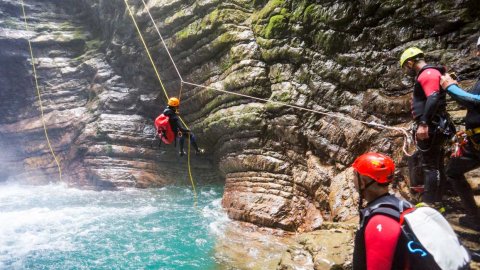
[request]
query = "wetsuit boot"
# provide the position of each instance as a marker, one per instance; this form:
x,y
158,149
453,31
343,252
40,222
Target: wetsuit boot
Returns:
x,y
456,169
182,143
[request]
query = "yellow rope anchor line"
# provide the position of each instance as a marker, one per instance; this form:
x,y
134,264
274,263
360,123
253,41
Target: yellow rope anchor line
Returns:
x,y
146,49
39,95
190,171
407,136
130,12
164,91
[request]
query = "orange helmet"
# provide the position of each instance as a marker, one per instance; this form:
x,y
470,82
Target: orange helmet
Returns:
x,y
377,166
174,102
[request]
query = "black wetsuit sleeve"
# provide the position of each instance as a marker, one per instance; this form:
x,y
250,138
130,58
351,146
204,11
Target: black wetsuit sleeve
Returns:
x,y
431,106
178,123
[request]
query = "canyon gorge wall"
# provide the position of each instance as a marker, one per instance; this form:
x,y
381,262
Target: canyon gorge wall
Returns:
x,y
282,167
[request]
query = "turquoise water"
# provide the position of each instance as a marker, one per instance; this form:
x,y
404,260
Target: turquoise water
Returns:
x,y
54,227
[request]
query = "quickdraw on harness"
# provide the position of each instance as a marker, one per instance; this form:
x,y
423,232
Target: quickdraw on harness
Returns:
x,y
459,140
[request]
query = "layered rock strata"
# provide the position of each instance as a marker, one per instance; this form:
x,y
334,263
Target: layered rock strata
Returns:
x,y
283,167
96,120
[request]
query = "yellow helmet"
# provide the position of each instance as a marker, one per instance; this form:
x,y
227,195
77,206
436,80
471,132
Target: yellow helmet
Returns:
x,y
409,53
174,102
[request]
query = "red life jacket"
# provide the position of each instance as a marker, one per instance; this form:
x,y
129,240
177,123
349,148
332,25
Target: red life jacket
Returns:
x,y
164,130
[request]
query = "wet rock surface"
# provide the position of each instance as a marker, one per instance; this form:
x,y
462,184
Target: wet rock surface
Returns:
x,y
246,246
95,119
283,168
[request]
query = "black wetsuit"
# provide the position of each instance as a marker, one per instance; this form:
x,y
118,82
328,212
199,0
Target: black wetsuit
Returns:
x,y
470,154
430,110
177,125
360,251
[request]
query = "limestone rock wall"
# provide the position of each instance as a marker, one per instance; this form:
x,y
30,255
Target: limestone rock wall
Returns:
x,y
96,119
283,167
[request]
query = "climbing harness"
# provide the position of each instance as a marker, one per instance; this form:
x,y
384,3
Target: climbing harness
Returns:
x,y
470,134
39,95
459,141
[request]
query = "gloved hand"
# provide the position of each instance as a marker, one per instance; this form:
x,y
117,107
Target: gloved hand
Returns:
x,y
446,80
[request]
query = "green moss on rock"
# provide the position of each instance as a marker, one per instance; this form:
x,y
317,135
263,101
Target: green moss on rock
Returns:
x,y
211,22
93,44
276,27
268,9
330,42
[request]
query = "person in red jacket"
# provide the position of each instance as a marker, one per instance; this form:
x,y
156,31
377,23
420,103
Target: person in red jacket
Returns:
x,y
379,235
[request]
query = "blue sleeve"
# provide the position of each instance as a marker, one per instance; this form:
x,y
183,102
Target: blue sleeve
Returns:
x,y
463,97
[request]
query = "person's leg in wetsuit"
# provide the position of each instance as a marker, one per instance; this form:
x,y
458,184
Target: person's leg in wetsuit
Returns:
x,y
456,168
432,154
193,142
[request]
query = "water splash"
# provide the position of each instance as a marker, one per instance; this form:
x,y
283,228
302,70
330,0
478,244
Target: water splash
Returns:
x,y
56,227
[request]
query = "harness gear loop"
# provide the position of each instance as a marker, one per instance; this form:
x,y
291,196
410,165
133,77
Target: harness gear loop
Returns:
x,y
459,140
40,96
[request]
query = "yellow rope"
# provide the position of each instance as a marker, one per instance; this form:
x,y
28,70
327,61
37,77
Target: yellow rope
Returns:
x,y
150,55
190,171
164,91
39,95
408,138
146,48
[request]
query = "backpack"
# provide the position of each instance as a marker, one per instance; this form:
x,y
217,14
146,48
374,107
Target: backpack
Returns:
x,y
427,237
164,129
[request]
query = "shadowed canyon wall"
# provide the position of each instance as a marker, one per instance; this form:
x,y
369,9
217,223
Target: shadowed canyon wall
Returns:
x,y
282,167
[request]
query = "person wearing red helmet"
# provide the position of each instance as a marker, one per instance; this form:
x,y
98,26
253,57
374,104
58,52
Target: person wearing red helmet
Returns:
x,y
378,236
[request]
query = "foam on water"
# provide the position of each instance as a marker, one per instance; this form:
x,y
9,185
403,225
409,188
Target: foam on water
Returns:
x,y
56,227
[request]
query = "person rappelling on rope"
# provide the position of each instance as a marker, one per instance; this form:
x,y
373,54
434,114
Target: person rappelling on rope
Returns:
x,y
169,127
432,123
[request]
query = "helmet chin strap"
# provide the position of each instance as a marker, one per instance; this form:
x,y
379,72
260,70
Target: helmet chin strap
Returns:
x,y
360,197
